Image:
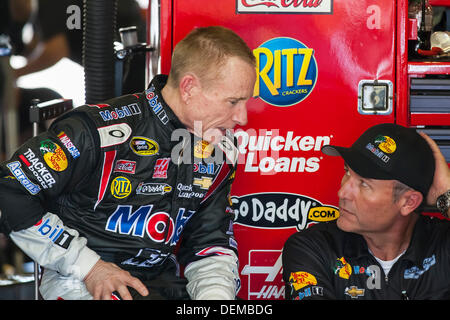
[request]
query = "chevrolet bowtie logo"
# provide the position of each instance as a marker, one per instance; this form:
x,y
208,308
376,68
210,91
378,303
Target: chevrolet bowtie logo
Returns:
x,y
354,292
203,183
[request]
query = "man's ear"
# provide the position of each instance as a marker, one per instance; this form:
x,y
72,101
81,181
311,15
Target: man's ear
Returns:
x,y
410,201
188,85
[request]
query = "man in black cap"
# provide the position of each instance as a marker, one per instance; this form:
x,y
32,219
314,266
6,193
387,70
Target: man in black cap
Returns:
x,y
380,247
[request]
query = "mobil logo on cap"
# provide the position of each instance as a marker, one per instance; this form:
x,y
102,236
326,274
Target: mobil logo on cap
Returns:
x,y
287,71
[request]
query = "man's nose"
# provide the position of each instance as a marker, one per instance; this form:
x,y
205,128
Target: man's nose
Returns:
x,y
240,114
346,188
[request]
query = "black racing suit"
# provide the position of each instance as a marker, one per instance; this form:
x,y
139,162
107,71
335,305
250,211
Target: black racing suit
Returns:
x,y
324,262
127,176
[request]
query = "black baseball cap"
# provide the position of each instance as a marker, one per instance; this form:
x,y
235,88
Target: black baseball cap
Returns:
x,y
390,152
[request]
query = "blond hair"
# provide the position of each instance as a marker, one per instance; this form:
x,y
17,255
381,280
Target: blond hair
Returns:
x,y
204,51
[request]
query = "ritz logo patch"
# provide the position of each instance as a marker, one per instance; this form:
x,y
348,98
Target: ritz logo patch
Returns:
x,y
286,71
120,187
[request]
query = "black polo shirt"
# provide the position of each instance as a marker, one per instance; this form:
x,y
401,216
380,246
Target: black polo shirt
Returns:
x,y
324,262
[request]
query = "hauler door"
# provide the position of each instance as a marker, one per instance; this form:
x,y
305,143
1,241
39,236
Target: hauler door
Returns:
x,y
325,73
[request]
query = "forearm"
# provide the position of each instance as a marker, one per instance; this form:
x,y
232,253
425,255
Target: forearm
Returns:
x,y
57,247
213,277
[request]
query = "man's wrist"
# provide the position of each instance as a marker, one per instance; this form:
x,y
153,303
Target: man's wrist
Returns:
x,y
443,203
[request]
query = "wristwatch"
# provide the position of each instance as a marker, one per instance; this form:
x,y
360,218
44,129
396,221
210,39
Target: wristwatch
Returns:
x,y
443,202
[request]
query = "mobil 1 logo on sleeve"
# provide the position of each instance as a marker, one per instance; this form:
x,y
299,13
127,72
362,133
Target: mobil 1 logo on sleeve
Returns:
x,y
280,210
286,71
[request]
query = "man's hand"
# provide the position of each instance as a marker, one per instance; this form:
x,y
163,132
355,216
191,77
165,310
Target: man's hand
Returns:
x,y
106,277
441,181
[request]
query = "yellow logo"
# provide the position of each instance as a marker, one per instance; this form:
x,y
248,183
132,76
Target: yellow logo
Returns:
x,y
203,183
144,146
325,213
354,292
343,269
203,149
386,144
120,187
53,155
302,279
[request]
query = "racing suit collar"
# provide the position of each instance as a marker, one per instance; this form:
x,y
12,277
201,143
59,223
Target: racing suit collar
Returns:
x,y
159,81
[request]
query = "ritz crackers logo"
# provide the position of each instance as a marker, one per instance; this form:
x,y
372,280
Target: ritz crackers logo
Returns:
x,y
286,71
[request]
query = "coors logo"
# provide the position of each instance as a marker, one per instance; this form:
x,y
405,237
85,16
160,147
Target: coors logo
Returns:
x,y
285,6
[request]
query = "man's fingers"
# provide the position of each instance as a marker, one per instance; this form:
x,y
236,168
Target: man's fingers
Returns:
x,y
124,293
433,145
138,285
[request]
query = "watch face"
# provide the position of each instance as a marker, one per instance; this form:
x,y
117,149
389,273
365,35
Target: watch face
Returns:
x,y
442,202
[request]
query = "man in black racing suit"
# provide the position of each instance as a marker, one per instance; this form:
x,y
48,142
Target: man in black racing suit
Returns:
x,y
380,247
126,183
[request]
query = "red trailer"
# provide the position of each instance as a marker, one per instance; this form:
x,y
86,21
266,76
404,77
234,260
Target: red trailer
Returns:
x,y
327,70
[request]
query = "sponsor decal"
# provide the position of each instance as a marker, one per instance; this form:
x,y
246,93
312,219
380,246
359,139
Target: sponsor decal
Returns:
x,y
286,71
186,191
150,189
280,210
203,182
415,272
57,234
69,145
368,271
120,112
342,268
301,279
38,169
205,168
354,292
144,146
158,226
160,168
285,6
120,187
261,151
324,213
147,258
386,144
381,146
156,106
310,291
125,166
18,173
114,134
202,149
264,274
54,155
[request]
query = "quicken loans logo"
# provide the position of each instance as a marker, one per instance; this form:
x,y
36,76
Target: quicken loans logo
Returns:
x,y
286,71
